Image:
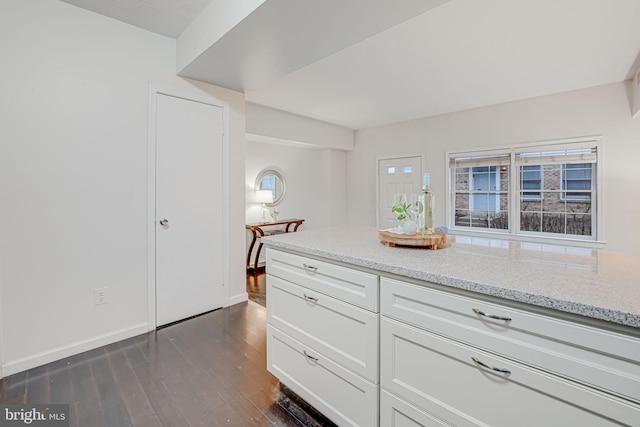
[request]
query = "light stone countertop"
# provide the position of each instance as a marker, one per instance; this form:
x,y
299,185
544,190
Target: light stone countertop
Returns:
x,y
588,282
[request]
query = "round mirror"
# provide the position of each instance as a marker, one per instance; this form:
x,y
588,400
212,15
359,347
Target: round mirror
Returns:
x,y
273,181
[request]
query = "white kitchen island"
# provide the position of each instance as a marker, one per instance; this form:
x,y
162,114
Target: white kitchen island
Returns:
x,y
482,332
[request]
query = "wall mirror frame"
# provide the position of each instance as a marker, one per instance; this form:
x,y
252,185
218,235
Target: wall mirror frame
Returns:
x,y
270,179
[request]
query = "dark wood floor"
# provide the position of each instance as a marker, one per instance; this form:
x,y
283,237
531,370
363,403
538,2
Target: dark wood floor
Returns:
x,y
257,287
206,371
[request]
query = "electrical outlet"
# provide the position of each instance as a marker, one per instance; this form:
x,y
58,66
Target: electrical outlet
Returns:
x,y
100,296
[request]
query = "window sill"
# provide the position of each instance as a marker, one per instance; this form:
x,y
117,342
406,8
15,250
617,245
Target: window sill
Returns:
x,y
593,244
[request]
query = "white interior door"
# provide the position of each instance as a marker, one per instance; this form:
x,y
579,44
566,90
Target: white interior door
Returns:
x,y
189,144
401,175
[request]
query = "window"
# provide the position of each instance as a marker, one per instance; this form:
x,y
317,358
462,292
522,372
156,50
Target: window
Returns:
x,y
481,191
574,178
530,179
541,190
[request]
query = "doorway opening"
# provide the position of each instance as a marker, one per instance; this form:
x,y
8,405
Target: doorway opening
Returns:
x,y
257,287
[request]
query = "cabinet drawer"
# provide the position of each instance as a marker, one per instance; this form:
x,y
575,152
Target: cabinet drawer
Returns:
x,y
436,373
353,286
398,413
599,358
341,331
339,394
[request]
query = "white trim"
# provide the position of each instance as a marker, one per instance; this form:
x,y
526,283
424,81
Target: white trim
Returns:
x,y
238,298
422,158
154,91
151,202
226,197
599,227
514,198
1,328
549,239
78,347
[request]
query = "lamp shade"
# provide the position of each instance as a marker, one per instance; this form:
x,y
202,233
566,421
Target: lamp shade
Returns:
x,y
264,196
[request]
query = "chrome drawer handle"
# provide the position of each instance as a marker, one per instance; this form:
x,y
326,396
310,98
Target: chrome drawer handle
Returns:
x,y
308,298
308,356
484,365
491,316
310,267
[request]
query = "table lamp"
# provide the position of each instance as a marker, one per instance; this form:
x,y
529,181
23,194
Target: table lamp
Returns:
x,y
264,197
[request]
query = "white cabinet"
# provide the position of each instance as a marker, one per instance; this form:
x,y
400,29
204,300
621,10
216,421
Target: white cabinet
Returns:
x,y
602,359
367,350
338,393
339,330
395,412
343,283
322,340
443,360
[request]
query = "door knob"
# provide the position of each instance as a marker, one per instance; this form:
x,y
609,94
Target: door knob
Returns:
x,y
164,222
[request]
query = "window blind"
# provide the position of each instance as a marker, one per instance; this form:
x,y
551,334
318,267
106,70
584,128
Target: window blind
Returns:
x,y
566,156
481,160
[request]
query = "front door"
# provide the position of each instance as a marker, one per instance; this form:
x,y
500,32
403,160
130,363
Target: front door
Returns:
x,y
396,176
188,210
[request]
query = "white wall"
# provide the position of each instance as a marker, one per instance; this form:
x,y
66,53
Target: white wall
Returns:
x,y
314,180
634,90
269,124
73,177
209,26
600,110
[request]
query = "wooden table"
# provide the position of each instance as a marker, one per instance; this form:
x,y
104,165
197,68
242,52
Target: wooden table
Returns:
x,y
267,229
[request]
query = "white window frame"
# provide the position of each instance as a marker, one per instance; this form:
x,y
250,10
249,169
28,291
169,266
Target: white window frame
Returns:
x,y
514,232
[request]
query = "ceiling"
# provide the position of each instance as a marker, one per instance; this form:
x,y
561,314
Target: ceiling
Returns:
x,y
455,55
166,17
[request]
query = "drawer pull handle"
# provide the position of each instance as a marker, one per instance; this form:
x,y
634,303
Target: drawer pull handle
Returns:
x,y
491,316
310,267
484,365
308,356
308,298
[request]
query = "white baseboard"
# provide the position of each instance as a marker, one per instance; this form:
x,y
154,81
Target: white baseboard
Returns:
x,y
238,298
15,366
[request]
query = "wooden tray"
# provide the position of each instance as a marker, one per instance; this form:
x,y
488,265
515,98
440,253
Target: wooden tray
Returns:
x,y
430,241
